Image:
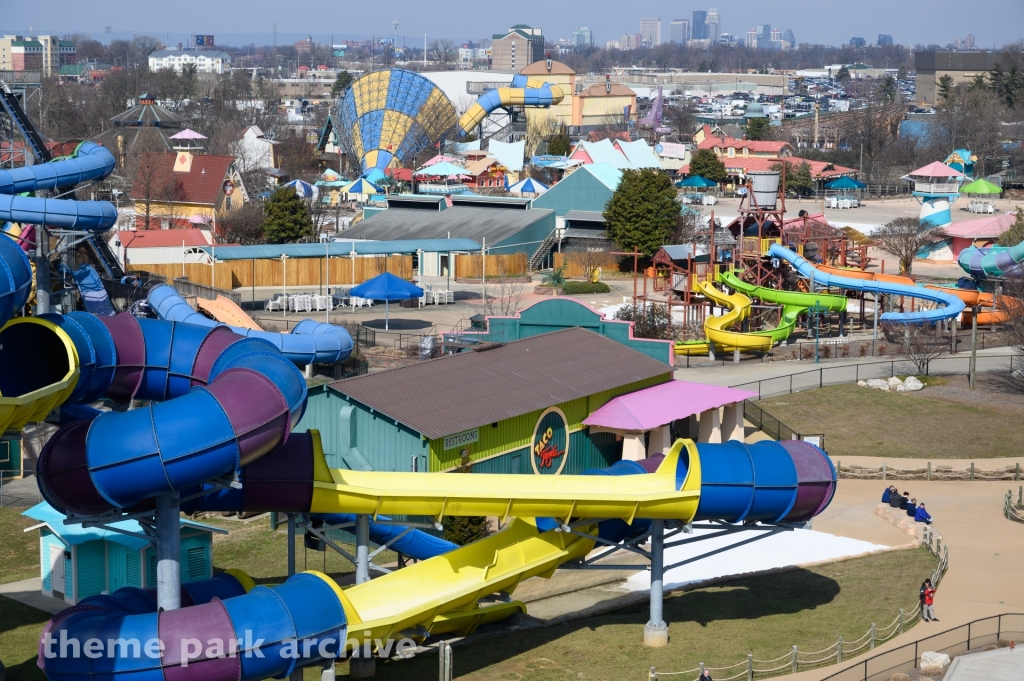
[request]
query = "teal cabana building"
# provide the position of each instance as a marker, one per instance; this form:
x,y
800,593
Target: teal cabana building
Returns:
x,y
76,562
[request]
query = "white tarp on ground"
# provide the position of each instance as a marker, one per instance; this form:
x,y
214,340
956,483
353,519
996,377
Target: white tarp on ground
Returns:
x,y
782,550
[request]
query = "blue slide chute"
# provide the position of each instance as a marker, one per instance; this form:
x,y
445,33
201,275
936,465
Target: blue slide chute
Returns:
x,y
949,306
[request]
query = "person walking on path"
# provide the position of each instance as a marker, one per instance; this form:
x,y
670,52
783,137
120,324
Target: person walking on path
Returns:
x,y
705,676
928,602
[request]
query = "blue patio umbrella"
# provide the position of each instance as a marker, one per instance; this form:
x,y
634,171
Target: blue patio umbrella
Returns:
x,y
529,185
303,189
696,181
845,183
386,287
375,175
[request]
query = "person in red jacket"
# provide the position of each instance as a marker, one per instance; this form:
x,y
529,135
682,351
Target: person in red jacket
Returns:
x,y
928,602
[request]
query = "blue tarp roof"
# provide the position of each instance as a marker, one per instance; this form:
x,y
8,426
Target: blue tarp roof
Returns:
x,y
76,534
342,248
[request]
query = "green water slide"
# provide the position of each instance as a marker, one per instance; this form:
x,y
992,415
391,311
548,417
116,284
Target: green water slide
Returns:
x,y
794,303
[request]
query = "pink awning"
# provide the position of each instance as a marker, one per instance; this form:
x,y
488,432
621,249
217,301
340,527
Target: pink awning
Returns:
x,y
661,404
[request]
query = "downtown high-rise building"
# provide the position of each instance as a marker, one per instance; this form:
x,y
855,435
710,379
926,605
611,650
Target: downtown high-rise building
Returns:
x,y
788,37
712,26
679,31
582,38
650,31
697,27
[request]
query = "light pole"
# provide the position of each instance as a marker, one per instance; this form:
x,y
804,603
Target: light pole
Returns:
x,y
394,45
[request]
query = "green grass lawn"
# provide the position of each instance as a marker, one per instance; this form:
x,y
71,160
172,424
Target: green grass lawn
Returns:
x,y
716,625
19,551
263,554
20,626
858,421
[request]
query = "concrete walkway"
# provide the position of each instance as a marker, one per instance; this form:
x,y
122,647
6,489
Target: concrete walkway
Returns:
x,y
744,373
28,591
985,552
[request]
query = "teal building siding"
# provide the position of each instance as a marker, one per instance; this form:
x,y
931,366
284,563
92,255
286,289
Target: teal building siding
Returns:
x,y
580,190
92,568
357,438
586,451
527,239
117,566
561,313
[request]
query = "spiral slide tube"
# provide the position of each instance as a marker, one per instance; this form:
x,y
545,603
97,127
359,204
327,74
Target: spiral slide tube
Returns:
x,y
994,261
523,92
261,631
950,306
15,278
309,342
219,402
89,162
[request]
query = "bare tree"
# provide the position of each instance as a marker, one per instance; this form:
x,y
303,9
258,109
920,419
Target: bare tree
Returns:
x,y
587,259
442,51
904,238
504,293
154,188
244,226
917,343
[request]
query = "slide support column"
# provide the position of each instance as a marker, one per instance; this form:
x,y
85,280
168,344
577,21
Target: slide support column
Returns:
x,y
362,548
732,422
656,631
291,544
168,552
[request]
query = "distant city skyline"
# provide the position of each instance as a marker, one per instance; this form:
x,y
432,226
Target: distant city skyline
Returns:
x,y
909,22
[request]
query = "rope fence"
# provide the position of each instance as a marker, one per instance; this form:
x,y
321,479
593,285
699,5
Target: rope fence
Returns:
x,y
928,472
796,660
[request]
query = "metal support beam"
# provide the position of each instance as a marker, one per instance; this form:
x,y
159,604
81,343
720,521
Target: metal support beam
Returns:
x,y
362,548
291,544
656,631
168,552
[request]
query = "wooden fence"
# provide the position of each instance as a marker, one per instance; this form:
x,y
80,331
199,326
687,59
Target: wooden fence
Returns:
x,y
234,274
511,264
575,269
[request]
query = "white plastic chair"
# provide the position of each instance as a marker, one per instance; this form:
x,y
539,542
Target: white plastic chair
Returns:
x,y
275,304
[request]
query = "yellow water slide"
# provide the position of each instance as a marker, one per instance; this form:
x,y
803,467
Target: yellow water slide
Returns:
x,y
715,327
442,594
524,91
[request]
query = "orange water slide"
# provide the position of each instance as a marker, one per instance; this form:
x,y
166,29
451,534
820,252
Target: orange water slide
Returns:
x,y
224,310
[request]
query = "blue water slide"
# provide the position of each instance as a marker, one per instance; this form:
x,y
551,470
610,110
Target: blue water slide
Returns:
x,y
90,287
90,162
309,342
15,278
949,305
411,542
218,402
263,633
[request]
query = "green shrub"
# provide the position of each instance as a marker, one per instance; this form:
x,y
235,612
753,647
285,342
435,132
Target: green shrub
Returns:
x,y
575,288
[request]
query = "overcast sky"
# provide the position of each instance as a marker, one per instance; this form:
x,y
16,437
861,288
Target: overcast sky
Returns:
x,y
993,22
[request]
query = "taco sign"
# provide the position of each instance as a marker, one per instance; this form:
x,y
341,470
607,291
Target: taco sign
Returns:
x,y
550,447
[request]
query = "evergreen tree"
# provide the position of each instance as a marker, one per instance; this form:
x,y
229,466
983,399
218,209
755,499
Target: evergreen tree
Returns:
x,y
642,212
757,129
978,83
902,73
1015,234
559,145
887,90
464,530
341,83
707,164
286,218
945,89
803,181
843,74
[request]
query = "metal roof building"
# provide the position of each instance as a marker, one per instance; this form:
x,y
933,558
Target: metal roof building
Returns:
x,y
340,248
506,228
497,403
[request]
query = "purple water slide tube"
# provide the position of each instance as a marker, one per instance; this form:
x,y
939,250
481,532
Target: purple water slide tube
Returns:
x,y
222,633
15,278
309,342
218,402
90,162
